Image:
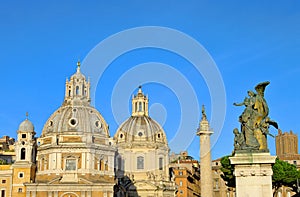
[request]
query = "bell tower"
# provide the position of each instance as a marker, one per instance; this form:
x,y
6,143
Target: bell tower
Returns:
x,y
25,145
24,166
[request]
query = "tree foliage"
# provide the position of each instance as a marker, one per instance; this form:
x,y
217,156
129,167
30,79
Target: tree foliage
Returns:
x,y
284,174
227,170
3,162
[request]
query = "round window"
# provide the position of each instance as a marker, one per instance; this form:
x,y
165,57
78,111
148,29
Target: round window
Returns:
x,y
98,124
140,134
73,122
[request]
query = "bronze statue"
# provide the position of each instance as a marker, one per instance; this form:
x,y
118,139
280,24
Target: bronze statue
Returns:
x,y
254,121
239,140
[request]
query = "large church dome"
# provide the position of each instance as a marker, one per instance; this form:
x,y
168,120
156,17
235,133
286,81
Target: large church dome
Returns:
x,y
76,119
140,127
76,114
75,146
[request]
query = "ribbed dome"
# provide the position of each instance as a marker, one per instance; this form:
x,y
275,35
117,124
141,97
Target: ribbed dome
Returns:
x,y
76,114
140,128
27,126
76,118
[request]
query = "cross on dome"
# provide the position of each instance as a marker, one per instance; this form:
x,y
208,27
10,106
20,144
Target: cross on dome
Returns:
x,y
78,66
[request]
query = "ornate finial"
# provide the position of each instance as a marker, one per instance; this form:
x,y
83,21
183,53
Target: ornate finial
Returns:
x,y
203,113
26,115
78,66
140,90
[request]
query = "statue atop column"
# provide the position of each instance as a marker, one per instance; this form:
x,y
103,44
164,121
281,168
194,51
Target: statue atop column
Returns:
x,y
254,121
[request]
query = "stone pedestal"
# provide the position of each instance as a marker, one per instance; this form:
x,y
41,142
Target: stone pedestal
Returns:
x,y
253,173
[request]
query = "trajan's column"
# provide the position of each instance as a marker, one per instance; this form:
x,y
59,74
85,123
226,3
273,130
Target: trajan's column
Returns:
x,y
205,158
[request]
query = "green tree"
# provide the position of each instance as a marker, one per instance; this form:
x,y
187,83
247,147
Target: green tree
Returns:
x,y
3,162
227,170
284,174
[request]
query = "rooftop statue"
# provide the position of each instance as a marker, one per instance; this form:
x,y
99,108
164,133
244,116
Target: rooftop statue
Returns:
x,y
254,121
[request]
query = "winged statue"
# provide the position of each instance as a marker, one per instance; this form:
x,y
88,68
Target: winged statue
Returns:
x,y
254,120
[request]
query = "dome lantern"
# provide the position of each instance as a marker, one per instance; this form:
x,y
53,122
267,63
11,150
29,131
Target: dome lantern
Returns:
x,y
139,104
77,89
140,127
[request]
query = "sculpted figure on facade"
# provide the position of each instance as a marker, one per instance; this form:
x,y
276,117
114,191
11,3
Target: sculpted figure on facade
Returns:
x,y
254,121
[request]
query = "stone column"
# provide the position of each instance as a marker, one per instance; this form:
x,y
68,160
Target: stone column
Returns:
x,y
253,173
205,157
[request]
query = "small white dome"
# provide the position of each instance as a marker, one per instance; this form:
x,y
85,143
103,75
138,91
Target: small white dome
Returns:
x,y
26,125
138,129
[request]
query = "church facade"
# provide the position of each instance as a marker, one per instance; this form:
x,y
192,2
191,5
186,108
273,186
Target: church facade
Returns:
x,y
142,153
76,156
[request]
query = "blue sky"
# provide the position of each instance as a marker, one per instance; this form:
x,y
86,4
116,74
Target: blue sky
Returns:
x,y
249,43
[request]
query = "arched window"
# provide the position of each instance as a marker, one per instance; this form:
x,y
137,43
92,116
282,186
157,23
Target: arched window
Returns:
x,y
23,153
106,166
160,163
140,106
140,162
77,90
3,192
100,165
119,163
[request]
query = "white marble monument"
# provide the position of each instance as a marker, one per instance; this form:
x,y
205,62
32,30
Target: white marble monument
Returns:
x,y
253,174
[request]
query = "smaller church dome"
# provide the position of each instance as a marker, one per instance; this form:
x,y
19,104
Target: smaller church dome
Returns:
x,y
26,125
140,127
